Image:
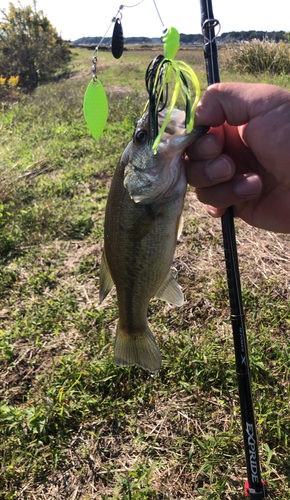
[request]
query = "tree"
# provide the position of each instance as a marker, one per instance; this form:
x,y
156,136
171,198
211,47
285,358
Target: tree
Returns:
x,y
30,47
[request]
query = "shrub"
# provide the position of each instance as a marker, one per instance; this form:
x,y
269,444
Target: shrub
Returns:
x,y
8,87
259,56
30,47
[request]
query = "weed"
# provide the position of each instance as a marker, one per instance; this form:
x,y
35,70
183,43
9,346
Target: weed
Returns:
x,y
260,56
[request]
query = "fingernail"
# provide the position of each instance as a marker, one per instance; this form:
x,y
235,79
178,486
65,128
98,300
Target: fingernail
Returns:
x,y
218,169
248,187
207,146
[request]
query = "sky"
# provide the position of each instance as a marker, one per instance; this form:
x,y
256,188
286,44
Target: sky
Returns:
x,y
76,19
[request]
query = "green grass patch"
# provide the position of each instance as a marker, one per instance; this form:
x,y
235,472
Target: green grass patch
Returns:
x,y
72,423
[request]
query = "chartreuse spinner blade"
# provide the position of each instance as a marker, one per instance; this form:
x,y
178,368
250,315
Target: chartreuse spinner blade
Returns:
x,y
95,103
95,108
185,81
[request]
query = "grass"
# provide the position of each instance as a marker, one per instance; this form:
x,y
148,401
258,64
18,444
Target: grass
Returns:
x,y
73,425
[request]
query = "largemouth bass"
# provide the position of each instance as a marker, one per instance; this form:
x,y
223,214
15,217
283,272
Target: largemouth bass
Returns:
x,y
142,221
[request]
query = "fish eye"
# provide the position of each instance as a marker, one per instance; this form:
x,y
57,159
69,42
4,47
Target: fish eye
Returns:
x,y
141,135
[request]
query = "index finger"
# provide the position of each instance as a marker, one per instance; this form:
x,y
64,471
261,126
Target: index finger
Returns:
x,y
237,103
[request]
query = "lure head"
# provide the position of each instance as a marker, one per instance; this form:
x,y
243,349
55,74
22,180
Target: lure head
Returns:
x,y
171,43
158,77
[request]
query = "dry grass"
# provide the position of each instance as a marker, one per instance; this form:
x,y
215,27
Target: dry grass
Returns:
x,y
260,56
161,431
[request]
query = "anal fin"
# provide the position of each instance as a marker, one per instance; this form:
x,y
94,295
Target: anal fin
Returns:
x,y
170,291
106,281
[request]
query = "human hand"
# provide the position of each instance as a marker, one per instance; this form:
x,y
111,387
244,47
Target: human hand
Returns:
x,y
244,160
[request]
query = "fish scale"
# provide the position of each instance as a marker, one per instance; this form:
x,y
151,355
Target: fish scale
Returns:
x,y
142,218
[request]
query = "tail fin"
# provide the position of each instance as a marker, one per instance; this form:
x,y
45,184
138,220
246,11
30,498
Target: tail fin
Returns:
x,y
139,350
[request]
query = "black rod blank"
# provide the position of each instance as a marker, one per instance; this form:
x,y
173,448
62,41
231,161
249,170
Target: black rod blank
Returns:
x,y
255,487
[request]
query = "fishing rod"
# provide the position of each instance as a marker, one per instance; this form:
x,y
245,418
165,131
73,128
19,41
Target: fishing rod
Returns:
x,y
255,487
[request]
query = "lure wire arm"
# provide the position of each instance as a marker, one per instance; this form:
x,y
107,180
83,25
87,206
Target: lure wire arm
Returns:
x,y
255,488
95,53
158,13
117,17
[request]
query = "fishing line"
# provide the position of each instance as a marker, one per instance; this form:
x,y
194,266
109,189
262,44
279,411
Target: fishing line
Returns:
x,y
211,53
128,6
210,24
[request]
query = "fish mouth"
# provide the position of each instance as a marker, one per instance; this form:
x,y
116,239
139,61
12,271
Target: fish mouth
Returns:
x,y
145,188
137,182
151,176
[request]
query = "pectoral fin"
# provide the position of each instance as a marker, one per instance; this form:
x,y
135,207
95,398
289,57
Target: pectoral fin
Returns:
x,y
144,224
106,282
170,291
180,227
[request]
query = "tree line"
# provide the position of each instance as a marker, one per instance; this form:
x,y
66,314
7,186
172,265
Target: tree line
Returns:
x,y
229,37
